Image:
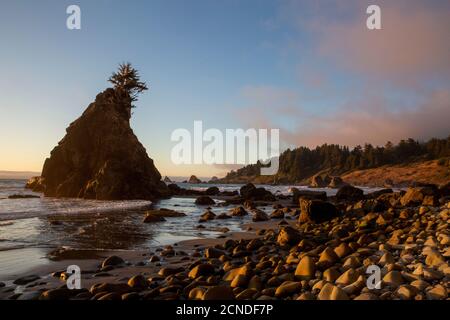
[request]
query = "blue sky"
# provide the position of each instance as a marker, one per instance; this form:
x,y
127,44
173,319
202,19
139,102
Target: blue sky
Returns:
x,y
253,63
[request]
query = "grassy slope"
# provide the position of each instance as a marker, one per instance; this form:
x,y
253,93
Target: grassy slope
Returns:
x,y
404,174
427,172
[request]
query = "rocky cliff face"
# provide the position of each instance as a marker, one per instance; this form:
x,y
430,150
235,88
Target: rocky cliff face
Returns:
x,y
101,158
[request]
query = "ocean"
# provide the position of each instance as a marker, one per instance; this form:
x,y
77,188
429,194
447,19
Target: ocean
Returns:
x,y
29,228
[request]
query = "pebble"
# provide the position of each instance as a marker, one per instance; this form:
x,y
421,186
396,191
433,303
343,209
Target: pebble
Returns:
x,y
247,294
239,281
218,293
138,282
287,288
197,293
438,292
56,294
342,250
351,262
393,279
356,286
212,253
26,279
154,259
112,261
223,216
366,296
239,212
33,295
327,258
244,270
109,287
407,292
132,296
305,269
207,216
319,285
150,218
288,236
331,274
306,296
110,296
204,269
420,285
434,258
332,292
348,277
255,283
386,258
277,214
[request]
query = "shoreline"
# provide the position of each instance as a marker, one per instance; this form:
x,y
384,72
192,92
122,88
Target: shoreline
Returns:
x,y
90,262
318,248
86,254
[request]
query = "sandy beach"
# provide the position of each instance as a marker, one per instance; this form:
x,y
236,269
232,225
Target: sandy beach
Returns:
x,y
293,253
137,262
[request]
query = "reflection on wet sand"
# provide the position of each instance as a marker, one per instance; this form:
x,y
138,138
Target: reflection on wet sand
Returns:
x,y
101,231
80,235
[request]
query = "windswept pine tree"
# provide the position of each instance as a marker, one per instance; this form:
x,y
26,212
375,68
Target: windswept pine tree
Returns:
x,y
127,81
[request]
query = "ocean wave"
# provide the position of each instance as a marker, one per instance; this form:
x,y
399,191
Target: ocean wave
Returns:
x,y
48,206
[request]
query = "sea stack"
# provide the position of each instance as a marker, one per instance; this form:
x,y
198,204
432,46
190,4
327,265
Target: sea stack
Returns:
x,y
214,179
100,157
194,180
167,179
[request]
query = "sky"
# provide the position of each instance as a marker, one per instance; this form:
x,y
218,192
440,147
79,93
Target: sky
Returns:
x,y
311,69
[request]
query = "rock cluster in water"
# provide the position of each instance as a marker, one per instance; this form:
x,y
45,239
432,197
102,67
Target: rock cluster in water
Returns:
x,y
323,181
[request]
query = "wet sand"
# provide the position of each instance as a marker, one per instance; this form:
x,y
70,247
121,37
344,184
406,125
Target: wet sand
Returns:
x,y
106,230
316,250
137,262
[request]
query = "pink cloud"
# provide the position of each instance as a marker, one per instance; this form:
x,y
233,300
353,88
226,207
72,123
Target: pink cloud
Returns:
x,y
413,43
376,123
410,57
264,104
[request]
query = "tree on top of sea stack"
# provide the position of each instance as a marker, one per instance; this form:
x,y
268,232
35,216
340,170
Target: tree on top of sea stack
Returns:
x,y
100,157
127,79
127,82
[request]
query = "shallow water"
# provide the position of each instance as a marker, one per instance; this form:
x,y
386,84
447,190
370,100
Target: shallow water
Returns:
x,y
30,227
13,209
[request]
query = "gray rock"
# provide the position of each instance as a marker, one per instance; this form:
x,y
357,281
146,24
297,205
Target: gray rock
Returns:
x,y
26,279
112,261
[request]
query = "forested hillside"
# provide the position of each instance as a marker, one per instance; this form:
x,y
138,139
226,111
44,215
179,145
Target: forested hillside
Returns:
x,y
301,163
